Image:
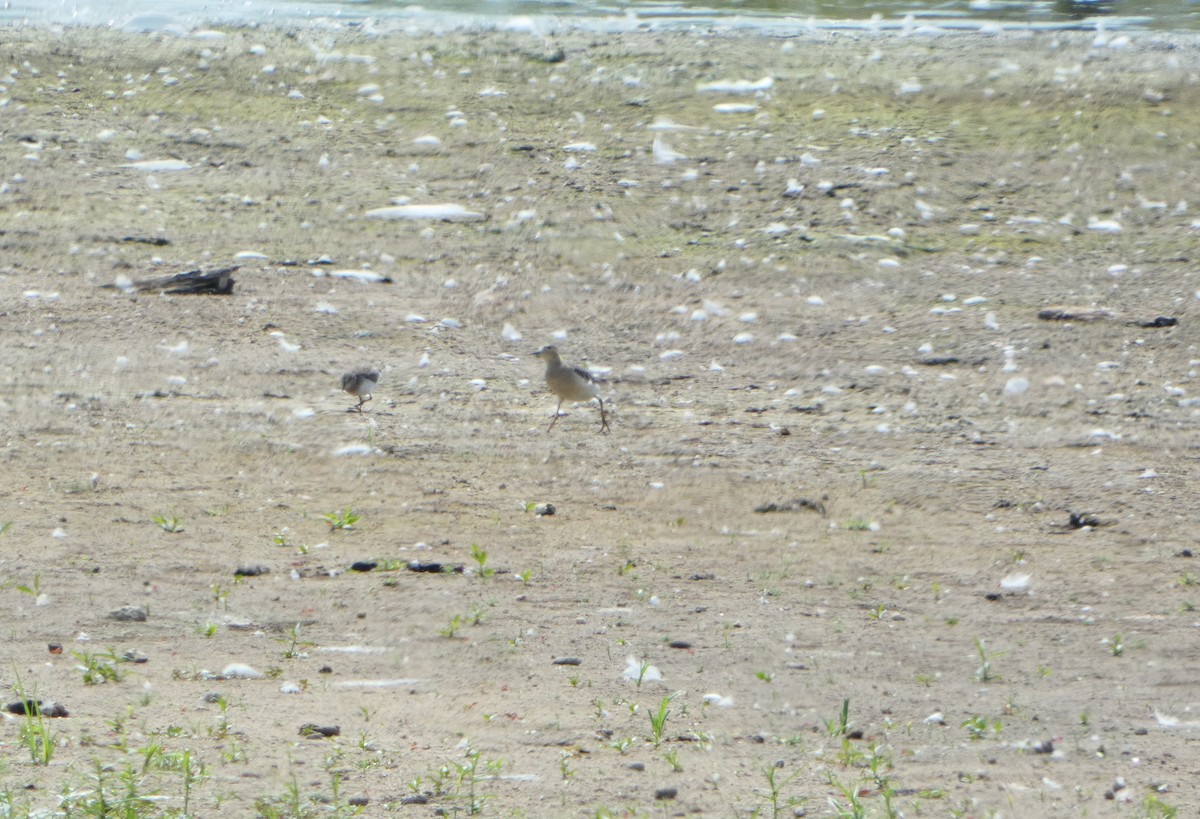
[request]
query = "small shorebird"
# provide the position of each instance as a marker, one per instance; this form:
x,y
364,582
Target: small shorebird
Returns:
x,y
570,384
361,383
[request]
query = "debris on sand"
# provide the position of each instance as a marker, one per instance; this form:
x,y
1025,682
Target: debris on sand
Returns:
x,y
794,505
35,708
217,282
1063,313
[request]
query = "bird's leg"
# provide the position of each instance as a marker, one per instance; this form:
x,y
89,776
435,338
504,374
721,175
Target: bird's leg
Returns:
x,y
603,415
556,411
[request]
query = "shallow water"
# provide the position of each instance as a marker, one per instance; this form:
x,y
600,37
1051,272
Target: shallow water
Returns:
x,y
545,15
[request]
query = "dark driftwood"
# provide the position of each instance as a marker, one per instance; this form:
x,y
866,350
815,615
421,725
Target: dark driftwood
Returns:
x,y
1066,313
217,282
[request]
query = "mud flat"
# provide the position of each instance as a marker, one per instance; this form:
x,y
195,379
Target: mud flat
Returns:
x,y
897,513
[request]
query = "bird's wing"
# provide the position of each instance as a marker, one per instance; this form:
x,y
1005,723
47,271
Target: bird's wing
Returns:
x,y
585,375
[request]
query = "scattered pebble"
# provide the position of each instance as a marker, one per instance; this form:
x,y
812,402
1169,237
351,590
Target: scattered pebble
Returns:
x,y
128,614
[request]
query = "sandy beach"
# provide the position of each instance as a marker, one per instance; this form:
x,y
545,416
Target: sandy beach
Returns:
x,y
897,511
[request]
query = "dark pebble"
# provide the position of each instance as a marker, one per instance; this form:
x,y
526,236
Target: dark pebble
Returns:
x,y
325,669
544,510
251,571
794,505
363,565
433,568
128,614
704,576
663,794
679,644
359,801
568,661
415,799
55,648
856,734
993,596
314,731
1185,553
636,766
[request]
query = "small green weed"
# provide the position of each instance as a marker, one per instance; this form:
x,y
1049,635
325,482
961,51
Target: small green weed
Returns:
x,y
451,629
100,668
978,727
985,673
658,719
1116,645
342,520
296,647
168,523
480,557
35,734
841,726
776,783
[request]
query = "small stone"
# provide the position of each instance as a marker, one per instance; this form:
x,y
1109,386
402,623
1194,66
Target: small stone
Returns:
x,y
433,568
665,794
128,614
679,644
544,510
363,565
568,661
314,731
251,571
